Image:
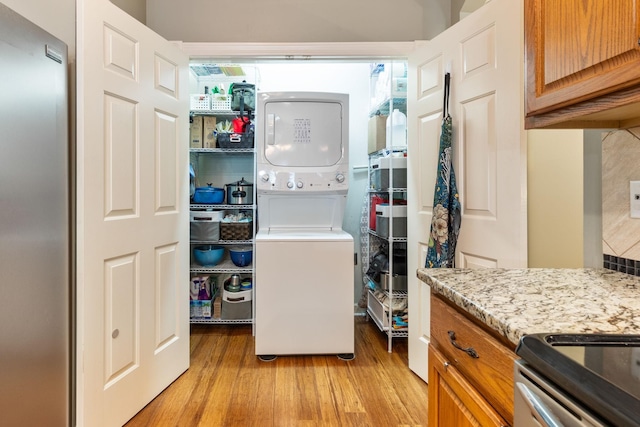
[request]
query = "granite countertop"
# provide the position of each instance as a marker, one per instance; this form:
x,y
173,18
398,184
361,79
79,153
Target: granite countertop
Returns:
x,y
516,302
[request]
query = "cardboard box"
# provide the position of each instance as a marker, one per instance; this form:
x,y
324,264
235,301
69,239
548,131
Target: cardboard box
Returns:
x,y
201,309
195,132
208,132
377,133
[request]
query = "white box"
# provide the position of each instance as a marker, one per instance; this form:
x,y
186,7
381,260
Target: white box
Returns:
x,y
216,216
385,210
199,102
397,162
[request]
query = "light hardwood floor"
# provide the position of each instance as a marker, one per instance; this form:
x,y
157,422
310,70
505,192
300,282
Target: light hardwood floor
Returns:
x,y
227,385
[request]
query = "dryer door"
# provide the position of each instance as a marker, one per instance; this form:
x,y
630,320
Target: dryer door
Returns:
x,y
303,133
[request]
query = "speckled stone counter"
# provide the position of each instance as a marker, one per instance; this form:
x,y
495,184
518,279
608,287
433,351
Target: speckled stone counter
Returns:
x,y
520,302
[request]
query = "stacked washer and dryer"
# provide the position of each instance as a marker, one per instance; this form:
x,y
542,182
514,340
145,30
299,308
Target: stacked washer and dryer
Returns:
x,y
304,263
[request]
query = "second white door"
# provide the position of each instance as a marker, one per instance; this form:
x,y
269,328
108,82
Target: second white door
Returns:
x,y
483,53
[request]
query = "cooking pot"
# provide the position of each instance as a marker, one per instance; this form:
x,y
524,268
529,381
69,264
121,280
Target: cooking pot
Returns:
x,y
240,193
208,194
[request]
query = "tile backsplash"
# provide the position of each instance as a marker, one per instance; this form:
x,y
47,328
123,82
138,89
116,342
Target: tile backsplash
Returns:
x,y
623,265
620,232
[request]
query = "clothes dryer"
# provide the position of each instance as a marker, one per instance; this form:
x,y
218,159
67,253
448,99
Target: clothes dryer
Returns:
x,y
304,259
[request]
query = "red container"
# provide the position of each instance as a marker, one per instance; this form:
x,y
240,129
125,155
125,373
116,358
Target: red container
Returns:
x,y
375,201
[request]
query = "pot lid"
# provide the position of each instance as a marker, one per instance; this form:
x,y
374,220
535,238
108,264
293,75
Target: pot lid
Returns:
x,y
241,183
209,188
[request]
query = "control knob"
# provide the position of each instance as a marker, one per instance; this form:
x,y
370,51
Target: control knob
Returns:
x,y
265,177
289,184
340,178
299,184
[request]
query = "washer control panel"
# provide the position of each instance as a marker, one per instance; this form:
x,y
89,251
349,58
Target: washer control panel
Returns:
x,y
302,181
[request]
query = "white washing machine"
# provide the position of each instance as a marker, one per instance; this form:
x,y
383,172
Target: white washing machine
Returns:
x,y
304,268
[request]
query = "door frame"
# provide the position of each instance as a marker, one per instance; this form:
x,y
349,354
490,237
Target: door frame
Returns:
x,y
298,51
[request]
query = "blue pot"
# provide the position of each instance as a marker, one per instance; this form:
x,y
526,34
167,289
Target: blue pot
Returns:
x,y
208,195
241,256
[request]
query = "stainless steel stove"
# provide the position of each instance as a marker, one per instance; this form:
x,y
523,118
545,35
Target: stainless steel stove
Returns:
x,y
578,380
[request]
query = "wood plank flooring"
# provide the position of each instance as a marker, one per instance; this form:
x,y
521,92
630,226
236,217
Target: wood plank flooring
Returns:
x,y
228,386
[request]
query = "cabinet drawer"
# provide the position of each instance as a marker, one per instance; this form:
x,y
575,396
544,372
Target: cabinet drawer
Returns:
x,y
491,373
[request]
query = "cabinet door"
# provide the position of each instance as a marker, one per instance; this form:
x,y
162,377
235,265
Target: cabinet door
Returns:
x,y
453,402
579,49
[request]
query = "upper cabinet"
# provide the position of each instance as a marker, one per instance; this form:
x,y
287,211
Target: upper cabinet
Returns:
x,y
582,63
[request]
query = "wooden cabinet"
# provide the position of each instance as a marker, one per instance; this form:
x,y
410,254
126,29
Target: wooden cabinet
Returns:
x,y
470,371
582,63
453,401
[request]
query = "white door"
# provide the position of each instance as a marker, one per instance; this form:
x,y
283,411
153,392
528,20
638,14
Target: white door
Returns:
x,y
483,53
132,214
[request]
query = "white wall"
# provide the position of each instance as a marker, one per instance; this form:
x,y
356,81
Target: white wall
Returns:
x,y
298,20
555,198
135,8
56,17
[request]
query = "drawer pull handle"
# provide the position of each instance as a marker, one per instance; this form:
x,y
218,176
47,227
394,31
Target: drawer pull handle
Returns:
x,y
469,350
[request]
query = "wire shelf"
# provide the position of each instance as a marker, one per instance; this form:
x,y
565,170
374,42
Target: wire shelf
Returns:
x,y
222,321
222,150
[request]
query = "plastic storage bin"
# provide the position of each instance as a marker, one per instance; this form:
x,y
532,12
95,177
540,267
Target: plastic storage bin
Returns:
x,y
380,173
235,140
383,212
399,282
200,102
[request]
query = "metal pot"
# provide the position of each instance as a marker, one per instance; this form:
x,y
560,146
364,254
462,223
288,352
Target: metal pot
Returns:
x,y
208,194
239,193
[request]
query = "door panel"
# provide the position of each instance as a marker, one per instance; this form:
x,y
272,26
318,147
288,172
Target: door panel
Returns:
x,y
132,191
481,52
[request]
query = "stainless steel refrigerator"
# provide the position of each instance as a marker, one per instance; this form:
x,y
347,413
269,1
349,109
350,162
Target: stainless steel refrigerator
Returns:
x,y
35,292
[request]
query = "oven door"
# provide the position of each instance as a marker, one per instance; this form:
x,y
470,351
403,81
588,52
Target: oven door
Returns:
x,y
539,403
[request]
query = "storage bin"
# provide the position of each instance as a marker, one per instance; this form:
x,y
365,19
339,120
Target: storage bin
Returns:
x,y
221,102
377,310
235,140
383,212
380,173
236,305
200,102
375,201
202,215
205,225
399,282
236,230
202,231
